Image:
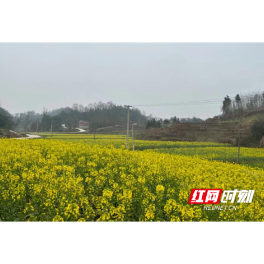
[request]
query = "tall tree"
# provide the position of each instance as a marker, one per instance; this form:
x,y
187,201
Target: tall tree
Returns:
x,y
27,119
226,105
166,122
238,105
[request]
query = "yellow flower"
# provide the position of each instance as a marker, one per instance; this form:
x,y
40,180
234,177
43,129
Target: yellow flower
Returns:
x,y
160,189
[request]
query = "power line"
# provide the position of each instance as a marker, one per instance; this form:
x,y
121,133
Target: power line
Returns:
x,y
208,101
182,103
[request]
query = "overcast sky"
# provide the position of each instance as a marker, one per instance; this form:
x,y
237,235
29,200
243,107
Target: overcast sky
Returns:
x,y
54,75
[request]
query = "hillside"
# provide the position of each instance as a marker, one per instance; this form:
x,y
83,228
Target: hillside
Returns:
x,y
208,132
97,115
221,130
245,116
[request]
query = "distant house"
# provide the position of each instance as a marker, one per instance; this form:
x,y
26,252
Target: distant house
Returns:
x,y
83,124
63,126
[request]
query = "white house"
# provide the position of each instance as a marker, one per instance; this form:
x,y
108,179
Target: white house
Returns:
x,y
83,124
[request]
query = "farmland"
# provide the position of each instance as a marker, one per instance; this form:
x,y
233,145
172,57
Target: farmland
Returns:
x,y
77,178
253,157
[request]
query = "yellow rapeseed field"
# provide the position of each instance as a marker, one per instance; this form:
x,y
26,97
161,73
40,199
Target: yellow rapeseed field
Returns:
x,y
54,180
250,156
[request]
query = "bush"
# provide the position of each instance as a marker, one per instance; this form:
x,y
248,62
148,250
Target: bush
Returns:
x,y
249,142
257,129
261,143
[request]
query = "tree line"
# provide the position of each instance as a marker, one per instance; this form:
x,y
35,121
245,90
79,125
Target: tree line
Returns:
x,y
159,122
242,104
97,114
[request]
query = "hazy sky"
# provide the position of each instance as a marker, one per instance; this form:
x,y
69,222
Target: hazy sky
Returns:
x,y
54,75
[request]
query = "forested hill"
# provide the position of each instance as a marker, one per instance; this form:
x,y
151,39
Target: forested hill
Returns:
x,y
5,119
243,105
98,115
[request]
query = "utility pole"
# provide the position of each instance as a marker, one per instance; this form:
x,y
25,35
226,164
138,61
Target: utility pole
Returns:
x,y
95,131
127,106
37,128
51,128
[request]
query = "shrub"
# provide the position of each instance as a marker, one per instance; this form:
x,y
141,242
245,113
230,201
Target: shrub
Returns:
x,y
257,129
261,143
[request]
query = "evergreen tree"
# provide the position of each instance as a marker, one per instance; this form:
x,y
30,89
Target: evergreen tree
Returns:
x,y
226,105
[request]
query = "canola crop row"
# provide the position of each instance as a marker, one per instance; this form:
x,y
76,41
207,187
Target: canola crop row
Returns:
x,y
253,157
54,180
120,140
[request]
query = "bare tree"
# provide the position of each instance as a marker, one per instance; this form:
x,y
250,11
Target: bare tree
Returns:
x,y
26,120
81,108
75,107
17,121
